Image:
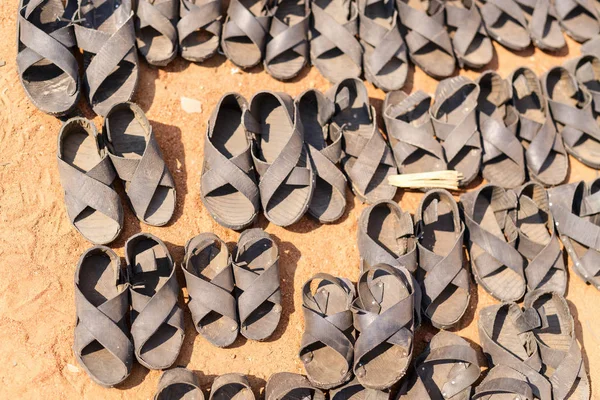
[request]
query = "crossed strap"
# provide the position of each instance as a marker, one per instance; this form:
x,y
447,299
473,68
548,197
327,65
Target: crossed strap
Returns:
x,y
565,7
387,42
333,35
468,25
324,161
500,139
504,386
327,329
543,11
286,37
144,175
241,22
159,17
583,69
424,29
205,15
493,10
90,189
39,45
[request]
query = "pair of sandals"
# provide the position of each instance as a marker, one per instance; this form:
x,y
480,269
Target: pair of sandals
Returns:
x,y
513,243
235,294
105,294
431,249
50,30
534,351
89,163
181,383
367,333
274,153
166,27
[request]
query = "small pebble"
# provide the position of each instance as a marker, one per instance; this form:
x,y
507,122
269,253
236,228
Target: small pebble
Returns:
x,y
72,368
235,71
191,106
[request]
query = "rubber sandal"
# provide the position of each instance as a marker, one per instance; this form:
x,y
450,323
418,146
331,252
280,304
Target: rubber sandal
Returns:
x,y
470,41
591,47
542,24
496,264
135,154
538,240
231,387
245,31
547,159
442,271
506,337
411,134
155,27
503,382
454,118
576,120
86,175
287,52
179,384
384,60
107,38
505,22
429,44
101,340
199,29
256,273
558,346
228,186
503,159
288,386
578,18
386,236
48,69
325,151
156,318
286,177
575,208
334,49
355,391
209,281
367,159
327,347
447,368
384,314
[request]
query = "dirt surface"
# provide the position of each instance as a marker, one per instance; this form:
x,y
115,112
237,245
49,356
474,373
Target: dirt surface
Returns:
x,y
39,249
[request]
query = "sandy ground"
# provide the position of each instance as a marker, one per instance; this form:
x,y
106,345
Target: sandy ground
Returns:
x,y
39,249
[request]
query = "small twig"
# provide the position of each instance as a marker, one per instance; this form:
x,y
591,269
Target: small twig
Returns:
x,y
437,179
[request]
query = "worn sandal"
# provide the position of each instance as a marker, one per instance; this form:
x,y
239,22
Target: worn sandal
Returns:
x,y
496,264
246,31
199,29
107,38
355,391
538,240
454,118
505,23
179,384
288,386
367,159
503,382
442,271
542,24
547,159
386,236
231,387
228,188
384,314
572,110
101,339
86,175
470,41
507,340
256,273
209,281
503,158
575,208
447,369
558,346
384,61
586,69
327,348
578,18
155,30
325,151
334,49
429,44
47,67
287,52
410,132
135,154
156,318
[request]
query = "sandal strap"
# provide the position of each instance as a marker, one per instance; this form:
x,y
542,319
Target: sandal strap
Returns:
x,y
577,121
543,11
159,17
545,142
423,28
387,42
568,366
204,15
492,10
175,376
504,385
499,139
241,22
286,37
288,382
468,25
565,7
